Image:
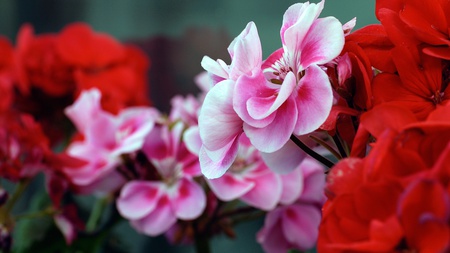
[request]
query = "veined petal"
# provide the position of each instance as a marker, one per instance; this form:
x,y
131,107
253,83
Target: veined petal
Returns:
x,y
230,187
274,136
158,221
262,107
323,42
137,199
189,202
314,100
218,122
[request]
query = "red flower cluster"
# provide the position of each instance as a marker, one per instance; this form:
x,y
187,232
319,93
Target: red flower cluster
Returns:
x,y
397,198
77,59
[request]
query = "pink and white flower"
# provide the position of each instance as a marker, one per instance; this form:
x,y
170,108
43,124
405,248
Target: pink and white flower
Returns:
x,y
293,94
106,138
153,206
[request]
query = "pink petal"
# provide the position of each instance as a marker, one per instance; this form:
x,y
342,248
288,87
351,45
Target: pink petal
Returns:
x,y
292,186
323,43
274,136
192,140
138,198
314,181
261,107
248,87
266,193
215,67
314,100
218,122
158,221
135,124
246,53
271,236
284,160
300,224
216,168
189,202
66,227
85,109
297,20
230,187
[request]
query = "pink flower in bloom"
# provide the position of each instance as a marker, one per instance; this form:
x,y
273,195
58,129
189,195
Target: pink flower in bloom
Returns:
x,y
220,126
153,206
293,94
106,137
248,179
295,224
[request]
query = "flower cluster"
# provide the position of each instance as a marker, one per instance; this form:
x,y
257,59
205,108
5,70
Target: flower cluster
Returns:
x,y
338,140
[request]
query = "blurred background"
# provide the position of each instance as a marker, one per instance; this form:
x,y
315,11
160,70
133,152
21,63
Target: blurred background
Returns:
x,y
175,34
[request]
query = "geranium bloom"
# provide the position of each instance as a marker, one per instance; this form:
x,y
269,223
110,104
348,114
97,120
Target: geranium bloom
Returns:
x,y
292,94
294,225
154,205
397,198
106,137
287,94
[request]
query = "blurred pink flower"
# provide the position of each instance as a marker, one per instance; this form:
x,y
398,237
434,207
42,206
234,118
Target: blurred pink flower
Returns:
x,y
154,206
295,224
106,138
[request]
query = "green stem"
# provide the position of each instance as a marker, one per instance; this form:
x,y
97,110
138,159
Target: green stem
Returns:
x,y
38,214
96,213
7,208
201,242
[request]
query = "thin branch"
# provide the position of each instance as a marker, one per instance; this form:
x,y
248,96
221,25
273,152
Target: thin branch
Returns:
x,y
311,152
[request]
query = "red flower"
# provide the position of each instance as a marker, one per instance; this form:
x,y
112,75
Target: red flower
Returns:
x,y
98,60
421,83
6,75
398,197
425,22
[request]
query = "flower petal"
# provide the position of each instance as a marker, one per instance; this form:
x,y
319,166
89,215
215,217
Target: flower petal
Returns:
x,y
137,199
266,193
274,136
323,43
158,221
284,160
300,225
218,122
189,202
230,187
314,100
216,168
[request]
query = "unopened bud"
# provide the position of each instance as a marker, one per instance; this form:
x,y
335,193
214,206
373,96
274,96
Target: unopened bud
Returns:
x,y
5,239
